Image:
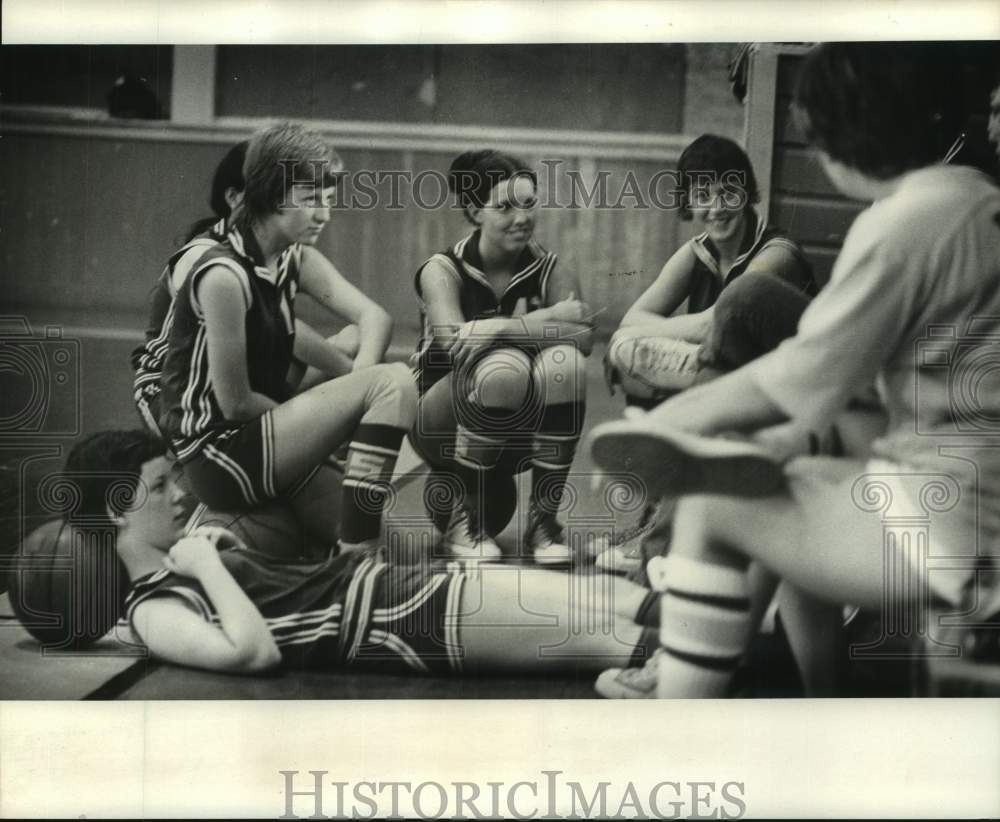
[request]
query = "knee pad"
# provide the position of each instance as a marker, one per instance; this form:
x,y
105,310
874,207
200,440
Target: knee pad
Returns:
x,y
559,374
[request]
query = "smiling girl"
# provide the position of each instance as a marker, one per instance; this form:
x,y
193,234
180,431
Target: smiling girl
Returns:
x,y
501,361
745,283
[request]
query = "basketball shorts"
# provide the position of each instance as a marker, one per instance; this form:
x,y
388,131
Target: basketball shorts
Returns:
x,y
236,468
406,617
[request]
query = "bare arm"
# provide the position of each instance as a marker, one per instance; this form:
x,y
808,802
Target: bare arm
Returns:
x,y
566,321
314,349
667,293
321,280
224,305
174,631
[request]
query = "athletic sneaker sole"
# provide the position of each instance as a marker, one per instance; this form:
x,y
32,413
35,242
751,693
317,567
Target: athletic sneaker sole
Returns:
x,y
673,463
608,686
615,561
553,561
467,555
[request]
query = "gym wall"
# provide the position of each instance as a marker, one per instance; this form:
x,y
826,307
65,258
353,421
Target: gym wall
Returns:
x,y
91,206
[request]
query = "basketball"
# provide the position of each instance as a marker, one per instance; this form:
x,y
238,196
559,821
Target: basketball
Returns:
x,y
273,530
68,586
443,491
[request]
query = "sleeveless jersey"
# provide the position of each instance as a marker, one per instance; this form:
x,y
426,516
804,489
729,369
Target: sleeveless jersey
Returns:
x,y
147,359
707,281
349,608
191,415
527,291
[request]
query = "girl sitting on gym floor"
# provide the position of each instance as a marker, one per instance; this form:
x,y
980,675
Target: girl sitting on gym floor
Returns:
x,y
228,411
745,284
360,343
501,361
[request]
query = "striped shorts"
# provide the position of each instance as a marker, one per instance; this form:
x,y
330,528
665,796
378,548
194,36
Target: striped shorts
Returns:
x,y
400,617
235,469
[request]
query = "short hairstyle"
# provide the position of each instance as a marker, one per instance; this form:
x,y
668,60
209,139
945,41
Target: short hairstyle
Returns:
x,y
717,159
68,584
104,469
880,108
473,174
279,157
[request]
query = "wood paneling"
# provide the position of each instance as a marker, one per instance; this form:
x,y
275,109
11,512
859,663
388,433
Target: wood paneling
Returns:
x,y
88,221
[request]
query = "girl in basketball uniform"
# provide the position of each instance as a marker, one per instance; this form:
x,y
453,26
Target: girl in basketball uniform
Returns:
x,y
500,365
230,415
332,356
206,599
743,284
147,359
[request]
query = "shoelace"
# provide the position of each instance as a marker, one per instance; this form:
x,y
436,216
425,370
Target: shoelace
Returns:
x,y
475,533
658,358
640,529
547,526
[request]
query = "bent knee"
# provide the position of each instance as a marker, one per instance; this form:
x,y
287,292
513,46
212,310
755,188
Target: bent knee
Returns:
x,y
502,379
750,291
560,370
394,385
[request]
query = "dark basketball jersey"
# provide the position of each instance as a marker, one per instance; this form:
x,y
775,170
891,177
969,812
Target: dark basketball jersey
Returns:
x,y
147,359
707,281
191,415
527,291
349,609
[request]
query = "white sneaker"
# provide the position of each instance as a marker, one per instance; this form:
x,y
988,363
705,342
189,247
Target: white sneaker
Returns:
x,y
658,364
546,539
468,542
630,683
625,556
621,558
672,462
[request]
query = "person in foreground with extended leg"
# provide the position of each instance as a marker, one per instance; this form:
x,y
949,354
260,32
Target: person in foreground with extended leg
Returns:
x,y
231,417
923,257
206,599
501,361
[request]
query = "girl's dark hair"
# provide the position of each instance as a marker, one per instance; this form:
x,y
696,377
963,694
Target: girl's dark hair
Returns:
x,y
104,469
68,584
715,160
881,108
473,174
228,174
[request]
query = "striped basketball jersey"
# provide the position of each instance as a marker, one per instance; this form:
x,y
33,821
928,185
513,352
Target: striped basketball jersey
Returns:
x,y
708,281
348,609
526,291
191,415
147,359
